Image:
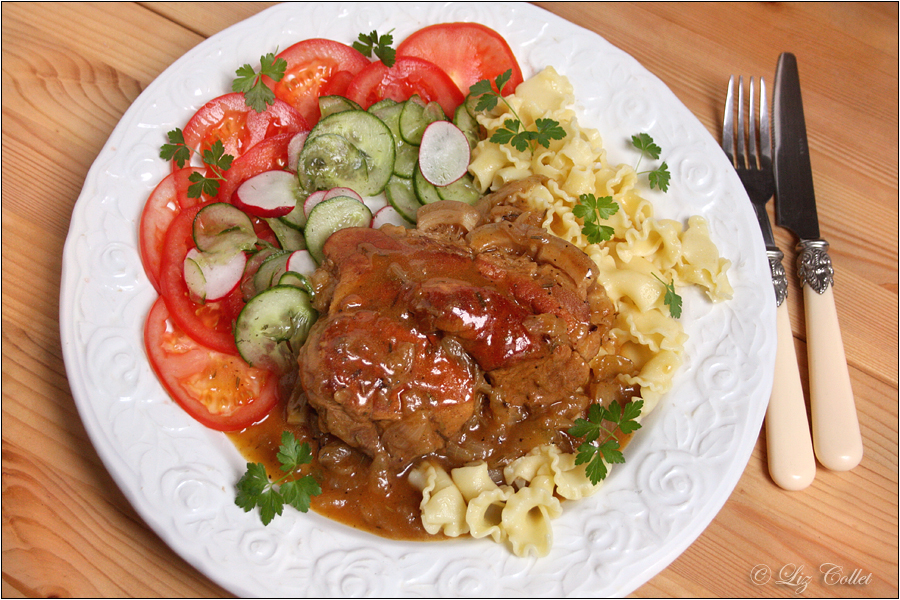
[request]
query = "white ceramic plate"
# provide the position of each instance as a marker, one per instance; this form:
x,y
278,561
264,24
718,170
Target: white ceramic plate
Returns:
x,y
180,476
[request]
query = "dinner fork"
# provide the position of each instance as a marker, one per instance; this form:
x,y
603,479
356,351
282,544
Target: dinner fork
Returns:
x,y
792,464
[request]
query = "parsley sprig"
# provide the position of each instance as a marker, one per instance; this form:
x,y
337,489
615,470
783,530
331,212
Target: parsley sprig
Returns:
x,y
591,210
658,177
256,93
254,489
513,132
600,445
379,45
213,157
672,299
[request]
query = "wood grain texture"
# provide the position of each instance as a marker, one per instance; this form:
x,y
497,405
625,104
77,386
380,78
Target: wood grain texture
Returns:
x,y
69,72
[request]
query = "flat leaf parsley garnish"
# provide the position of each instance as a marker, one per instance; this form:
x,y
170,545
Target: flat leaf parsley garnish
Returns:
x,y
658,177
590,210
512,132
672,299
254,489
600,445
256,93
214,157
379,45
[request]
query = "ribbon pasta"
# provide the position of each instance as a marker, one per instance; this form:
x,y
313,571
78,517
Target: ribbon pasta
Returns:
x,y
642,251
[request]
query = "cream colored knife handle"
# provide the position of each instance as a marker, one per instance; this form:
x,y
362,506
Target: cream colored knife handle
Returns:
x,y
835,425
791,461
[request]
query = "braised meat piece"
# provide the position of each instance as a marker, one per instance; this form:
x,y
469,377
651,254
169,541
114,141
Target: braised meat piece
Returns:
x,y
419,327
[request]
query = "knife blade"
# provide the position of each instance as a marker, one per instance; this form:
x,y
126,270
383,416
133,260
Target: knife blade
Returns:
x,y
835,425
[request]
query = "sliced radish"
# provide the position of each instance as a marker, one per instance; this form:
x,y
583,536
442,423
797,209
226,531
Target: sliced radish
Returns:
x,y
301,261
443,153
389,215
269,194
294,148
212,276
313,199
342,191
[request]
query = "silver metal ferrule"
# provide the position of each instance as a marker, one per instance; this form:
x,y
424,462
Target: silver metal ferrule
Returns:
x,y
779,278
814,265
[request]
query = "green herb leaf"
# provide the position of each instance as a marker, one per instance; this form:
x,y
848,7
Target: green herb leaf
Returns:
x,y
513,132
548,129
660,177
379,45
176,149
255,490
671,299
601,424
257,94
644,143
591,210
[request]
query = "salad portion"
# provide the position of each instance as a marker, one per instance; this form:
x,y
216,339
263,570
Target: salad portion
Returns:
x,y
403,280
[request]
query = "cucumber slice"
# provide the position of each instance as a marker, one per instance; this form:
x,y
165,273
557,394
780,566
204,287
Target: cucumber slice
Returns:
x,y
401,195
248,287
288,237
212,276
331,160
270,271
272,327
468,125
298,280
331,215
461,190
381,104
416,117
220,227
367,137
406,154
329,105
425,192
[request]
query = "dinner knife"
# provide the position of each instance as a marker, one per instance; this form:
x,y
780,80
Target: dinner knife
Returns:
x,y
835,425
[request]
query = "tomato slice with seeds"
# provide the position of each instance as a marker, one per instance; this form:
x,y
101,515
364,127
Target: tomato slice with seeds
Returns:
x,y
165,202
311,66
408,76
239,127
219,390
467,52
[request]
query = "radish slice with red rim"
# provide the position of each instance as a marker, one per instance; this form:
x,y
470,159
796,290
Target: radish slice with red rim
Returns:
x,y
443,153
301,261
342,191
313,199
269,194
389,215
212,276
294,148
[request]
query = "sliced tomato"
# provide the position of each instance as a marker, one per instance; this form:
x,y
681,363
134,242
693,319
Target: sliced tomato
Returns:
x,y
311,66
210,324
268,155
221,391
239,127
467,52
409,76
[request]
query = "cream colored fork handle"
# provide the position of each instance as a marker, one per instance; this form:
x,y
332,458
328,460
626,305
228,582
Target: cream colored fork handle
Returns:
x,y
791,461
835,426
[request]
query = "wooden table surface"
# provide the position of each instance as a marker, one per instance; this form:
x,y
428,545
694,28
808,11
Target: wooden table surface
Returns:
x,y
71,70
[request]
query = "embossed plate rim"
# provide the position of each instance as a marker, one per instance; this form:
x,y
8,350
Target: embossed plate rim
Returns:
x,y
180,476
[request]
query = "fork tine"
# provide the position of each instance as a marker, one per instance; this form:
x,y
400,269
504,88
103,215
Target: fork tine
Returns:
x,y
752,129
765,137
728,125
741,153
